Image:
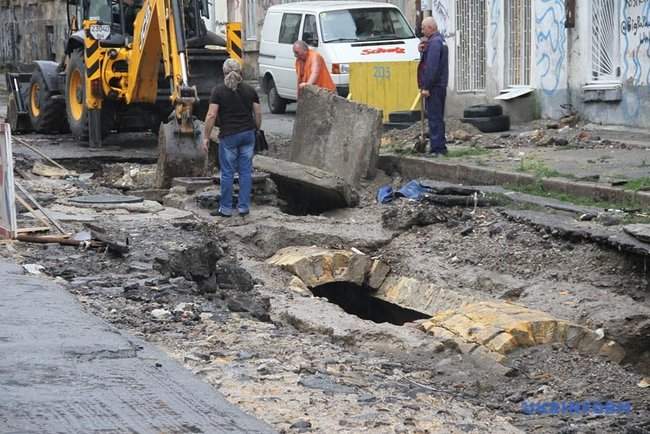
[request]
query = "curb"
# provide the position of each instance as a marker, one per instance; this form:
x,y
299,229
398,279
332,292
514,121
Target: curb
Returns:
x,y
460,173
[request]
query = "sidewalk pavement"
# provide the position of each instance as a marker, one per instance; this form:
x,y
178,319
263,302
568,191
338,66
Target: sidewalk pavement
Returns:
x,y
603,163
64,370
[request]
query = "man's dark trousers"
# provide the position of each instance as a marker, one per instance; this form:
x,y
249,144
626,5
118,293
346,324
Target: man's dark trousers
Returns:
x,y
435,105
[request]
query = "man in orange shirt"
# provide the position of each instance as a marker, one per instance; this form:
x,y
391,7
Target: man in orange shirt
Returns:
x,y
311,68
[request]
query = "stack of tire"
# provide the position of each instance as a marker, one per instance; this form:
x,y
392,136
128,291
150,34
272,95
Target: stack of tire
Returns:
x,y
487,118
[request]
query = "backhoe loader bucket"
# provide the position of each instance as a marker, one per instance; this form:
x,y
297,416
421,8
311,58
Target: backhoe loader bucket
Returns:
x,y
180,155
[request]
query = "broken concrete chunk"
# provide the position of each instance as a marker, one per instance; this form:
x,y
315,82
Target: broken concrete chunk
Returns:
x,y
639,231
336,135
311,188
193,262
161,314
46,170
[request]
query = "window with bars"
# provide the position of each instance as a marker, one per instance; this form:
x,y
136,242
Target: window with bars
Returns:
x,y
518,25
470,50
604,40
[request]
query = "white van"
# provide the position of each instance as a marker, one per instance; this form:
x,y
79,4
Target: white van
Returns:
x,y
343,32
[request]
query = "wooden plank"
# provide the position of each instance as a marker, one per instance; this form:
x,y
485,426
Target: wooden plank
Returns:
x,y
35,229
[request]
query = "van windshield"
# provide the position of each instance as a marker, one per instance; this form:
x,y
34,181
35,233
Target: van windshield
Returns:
x,y
373,24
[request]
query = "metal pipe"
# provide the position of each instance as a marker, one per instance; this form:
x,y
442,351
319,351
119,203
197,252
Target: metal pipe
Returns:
x,y
183,68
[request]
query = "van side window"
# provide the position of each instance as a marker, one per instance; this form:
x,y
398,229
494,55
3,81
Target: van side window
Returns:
x,y
290,28
310,31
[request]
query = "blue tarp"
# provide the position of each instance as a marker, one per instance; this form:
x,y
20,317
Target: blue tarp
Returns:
x,y
412,190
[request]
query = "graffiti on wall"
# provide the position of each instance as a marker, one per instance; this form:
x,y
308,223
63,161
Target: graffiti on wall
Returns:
x,y
495,18
551,39
440,12
635,28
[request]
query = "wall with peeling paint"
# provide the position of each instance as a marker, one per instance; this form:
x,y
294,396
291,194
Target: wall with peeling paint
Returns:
x,y
31,30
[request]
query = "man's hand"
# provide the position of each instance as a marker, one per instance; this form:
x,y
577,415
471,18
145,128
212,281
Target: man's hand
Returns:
x,y
205,145
302,85
425,93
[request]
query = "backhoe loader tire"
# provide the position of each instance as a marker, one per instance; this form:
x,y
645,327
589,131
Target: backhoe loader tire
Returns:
x,y
75,95
45,112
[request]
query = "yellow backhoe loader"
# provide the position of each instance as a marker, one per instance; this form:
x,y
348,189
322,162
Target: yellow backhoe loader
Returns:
x,y
129,65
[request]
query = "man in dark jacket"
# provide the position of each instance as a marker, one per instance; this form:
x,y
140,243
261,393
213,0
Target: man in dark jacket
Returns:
x,y
433,78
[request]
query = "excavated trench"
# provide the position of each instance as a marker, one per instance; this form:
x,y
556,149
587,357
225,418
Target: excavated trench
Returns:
x,y
357,300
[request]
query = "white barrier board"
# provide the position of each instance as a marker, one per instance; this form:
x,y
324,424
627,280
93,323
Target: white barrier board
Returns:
x,y
8,227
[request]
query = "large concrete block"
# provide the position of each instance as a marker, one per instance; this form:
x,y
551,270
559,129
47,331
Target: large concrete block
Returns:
x,y
336,135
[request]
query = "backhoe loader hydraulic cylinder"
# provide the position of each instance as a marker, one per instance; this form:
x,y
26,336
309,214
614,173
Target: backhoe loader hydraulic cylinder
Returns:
x,y
180,37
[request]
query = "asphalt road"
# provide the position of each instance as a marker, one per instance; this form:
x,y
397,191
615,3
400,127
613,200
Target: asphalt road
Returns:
x,y
279,125
65,371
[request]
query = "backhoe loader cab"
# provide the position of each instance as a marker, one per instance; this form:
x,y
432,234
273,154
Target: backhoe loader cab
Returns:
x,y
129,65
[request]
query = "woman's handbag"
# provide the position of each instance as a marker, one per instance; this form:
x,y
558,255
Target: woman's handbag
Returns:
x,y
260,142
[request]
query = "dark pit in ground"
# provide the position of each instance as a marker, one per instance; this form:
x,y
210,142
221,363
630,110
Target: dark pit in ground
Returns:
x,y
357,300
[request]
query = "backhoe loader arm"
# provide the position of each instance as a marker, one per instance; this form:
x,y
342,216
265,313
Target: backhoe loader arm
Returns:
x,y
159,35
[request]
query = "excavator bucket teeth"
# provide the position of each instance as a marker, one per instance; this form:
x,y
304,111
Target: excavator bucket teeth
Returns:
x,y
180,155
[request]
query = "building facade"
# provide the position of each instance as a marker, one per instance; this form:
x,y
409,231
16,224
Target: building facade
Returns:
x,y
542,58
31,30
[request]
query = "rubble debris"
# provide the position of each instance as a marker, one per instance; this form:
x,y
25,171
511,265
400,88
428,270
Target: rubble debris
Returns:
x,y
100,234
460,135
195,261
336,135
567,227
129,176
307,189
34,269
161,314
24,191
48,171
406,214
38,152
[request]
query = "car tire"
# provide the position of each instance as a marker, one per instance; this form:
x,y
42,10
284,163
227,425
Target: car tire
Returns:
x,y
492,124
483,111
277,104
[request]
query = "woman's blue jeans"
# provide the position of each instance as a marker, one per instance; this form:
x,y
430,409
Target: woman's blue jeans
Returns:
x,y
236,155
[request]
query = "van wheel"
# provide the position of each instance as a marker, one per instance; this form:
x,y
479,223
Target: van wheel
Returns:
x,y
277,104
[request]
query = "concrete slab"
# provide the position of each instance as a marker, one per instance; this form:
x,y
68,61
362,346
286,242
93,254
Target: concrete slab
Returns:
x,y
336,135
63,370
316,189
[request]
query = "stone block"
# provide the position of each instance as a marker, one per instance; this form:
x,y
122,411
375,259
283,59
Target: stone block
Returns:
x,y
502,327
336,135
377,274
316,266
296,284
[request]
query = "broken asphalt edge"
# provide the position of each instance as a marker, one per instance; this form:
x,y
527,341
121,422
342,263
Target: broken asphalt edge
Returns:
x,y
462,173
